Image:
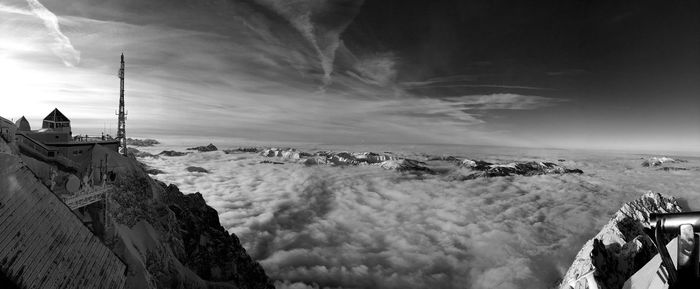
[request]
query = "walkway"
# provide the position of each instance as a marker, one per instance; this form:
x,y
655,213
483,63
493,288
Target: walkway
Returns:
x,y
85,197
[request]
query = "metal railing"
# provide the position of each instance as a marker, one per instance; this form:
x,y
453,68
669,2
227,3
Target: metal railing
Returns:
x,y
86,197
92,138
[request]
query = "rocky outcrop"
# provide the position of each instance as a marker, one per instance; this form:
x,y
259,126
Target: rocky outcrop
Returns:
x,y
443,158
208,249
670,169
172,240
488,170
385,161
154,172
478,168
374,158
341,159
172,153
288,154
141,142
315,160
193,169
405,165
139,154
208,148
658,161
242,150
328,157
475,164
621,247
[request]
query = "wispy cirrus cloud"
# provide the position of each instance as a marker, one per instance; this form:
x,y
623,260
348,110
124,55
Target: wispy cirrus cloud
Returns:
x,y
378,69
61,46
319,30
463,108
466,81
505,101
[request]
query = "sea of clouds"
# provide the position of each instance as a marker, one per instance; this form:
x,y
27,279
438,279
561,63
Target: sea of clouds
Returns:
x,y
366,227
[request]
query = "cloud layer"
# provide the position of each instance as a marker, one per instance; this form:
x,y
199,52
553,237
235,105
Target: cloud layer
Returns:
x,y
365,227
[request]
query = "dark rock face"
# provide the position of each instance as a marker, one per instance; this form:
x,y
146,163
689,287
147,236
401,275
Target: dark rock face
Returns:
x,y
172,153
154,172
197,170
141,142
271,162
209,250
669,169
481,169
488,170
242,150
177,235
443,158
207,148
386,161
621,247
406,165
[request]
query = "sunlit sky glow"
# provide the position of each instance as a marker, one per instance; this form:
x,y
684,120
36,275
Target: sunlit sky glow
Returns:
x,y
309,71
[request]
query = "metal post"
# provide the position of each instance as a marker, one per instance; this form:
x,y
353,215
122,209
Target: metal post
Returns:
x,y
121,132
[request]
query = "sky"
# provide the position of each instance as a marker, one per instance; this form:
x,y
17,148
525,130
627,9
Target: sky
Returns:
x,y
569,74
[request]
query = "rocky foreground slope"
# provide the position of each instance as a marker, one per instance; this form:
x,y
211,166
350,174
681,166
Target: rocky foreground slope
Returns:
x,y
621,247
166,239
173,240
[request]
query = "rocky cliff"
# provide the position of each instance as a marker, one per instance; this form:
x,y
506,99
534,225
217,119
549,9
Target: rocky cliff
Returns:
x,y
621,248
209,250
173,240
166,238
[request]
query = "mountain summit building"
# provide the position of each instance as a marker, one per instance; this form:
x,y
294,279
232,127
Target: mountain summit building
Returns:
x,y
55,140
56,121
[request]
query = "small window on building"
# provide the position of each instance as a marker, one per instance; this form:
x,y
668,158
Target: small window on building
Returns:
x,y
51,154
56,136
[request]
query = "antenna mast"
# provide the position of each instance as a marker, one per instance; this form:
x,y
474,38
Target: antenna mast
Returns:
x,y
121,133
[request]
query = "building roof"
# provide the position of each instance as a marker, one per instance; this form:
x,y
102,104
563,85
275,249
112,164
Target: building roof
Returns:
x,y
80,259
23,124
56,116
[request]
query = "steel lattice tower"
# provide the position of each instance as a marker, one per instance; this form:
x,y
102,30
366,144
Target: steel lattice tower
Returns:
x,y
121,133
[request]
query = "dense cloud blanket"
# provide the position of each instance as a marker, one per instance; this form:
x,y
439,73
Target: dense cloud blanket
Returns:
x,y
368,227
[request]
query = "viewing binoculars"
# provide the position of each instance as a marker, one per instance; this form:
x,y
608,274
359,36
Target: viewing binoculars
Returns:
x,y
686,272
